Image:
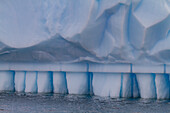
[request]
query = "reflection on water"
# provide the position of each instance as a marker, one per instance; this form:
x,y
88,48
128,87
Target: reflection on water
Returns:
x,y
52,103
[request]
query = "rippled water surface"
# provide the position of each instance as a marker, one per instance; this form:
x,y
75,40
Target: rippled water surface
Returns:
x,y
52,103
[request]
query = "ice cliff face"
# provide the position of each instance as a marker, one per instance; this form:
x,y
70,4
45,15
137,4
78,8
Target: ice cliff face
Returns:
x,y
104,31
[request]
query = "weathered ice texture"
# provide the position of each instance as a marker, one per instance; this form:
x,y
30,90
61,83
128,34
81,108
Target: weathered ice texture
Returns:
x,y
103,31
114,48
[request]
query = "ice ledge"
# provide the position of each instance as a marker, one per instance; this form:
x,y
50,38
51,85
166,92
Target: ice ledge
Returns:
x,y
86,67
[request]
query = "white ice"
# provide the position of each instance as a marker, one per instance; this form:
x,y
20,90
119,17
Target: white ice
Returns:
x,y
77,83
105,84
59,82
147,87
20,81
162,86
6,80
44,82
31,82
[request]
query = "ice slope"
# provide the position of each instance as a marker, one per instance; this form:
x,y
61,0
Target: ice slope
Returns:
x,y
103,31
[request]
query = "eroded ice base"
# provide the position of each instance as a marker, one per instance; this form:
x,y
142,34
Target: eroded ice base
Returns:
x,y
111,80
113,85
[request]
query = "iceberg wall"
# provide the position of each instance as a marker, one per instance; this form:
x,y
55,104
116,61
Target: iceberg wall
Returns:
x,y
108,80
115,48
114,85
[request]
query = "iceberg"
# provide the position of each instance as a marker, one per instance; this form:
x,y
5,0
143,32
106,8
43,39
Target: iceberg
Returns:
x,y
115,48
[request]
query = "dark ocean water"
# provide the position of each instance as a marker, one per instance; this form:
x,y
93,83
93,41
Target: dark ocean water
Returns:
x,y
57,103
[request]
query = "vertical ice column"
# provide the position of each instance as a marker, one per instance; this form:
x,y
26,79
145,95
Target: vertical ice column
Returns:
x,y
162,86
135,86
147,85
127,89
107,84
19,81
77,83
6,80
44,82
129,86
59,82
31,82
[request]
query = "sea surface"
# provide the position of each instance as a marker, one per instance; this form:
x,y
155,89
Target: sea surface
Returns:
x,y
57,103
